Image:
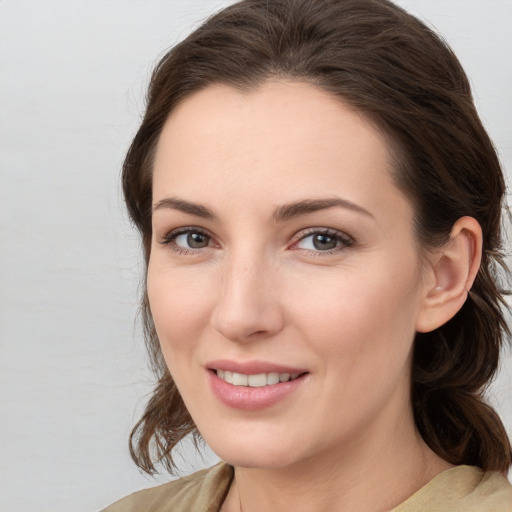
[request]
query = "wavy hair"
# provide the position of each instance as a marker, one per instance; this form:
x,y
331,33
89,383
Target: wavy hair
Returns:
x,y
394,70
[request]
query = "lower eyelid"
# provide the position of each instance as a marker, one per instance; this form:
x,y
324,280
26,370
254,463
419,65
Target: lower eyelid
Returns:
x,y
344,241
169,241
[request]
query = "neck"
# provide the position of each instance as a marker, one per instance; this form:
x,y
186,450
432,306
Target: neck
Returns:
x,y
359,476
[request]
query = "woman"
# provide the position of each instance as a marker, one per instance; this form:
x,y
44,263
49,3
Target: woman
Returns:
x,y
320,209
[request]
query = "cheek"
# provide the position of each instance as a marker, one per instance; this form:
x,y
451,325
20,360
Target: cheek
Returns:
x,y
361,329
180,304
356,316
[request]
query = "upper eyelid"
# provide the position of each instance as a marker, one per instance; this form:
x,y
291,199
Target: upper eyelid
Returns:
x,y
168,240
297,237
169,235
322,230
345,241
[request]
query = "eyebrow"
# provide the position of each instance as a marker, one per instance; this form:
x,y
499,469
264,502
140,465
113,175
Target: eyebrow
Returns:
x,y
295,209
184,206
281,214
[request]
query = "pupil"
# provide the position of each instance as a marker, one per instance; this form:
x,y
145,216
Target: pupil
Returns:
x,y
324,242
197,240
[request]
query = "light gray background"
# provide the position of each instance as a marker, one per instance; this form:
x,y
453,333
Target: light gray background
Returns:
x,y
73,375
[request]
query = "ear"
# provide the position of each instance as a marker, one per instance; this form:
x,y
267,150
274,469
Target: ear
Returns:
x,y
450,275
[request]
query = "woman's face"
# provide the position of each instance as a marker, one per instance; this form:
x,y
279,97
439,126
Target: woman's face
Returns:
x,y
282,250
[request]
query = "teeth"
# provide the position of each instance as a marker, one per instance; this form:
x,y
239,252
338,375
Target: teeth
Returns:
x,y
239,379
255,381
272,378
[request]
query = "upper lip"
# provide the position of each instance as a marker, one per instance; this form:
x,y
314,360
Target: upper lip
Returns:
x,y
252,367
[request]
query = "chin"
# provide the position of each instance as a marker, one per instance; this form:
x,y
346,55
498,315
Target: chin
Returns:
x,y
253,452
255,459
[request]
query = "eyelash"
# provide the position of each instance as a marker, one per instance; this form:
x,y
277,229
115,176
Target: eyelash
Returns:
x,y
170,239
343,240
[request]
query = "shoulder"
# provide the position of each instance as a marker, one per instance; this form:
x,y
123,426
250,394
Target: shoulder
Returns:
x,y
201,491
462,489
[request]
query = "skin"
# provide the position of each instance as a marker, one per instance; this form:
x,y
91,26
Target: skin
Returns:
x,y
261,290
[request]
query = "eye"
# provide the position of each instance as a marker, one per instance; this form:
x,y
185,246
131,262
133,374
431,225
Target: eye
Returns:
x,y
323,240
192,240
186,240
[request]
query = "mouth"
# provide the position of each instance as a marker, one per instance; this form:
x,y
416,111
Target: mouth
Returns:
x,y
258,380
255,385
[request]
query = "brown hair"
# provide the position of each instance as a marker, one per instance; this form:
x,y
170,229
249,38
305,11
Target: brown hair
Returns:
x,y
394,70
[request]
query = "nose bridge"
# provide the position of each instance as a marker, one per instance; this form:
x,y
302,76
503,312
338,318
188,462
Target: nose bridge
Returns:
x,y
247,304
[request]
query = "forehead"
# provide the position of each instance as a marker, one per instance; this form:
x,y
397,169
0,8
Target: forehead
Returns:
x,y
283,139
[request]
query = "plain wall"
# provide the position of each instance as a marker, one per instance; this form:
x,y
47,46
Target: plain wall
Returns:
x,y
73,373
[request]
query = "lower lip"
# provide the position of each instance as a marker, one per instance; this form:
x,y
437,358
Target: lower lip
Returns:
x,y
252,399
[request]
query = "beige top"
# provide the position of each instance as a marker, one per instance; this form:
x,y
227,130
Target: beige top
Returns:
x,y
461,489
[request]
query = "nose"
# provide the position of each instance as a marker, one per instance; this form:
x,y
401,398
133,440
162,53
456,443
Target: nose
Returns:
x,y
248,307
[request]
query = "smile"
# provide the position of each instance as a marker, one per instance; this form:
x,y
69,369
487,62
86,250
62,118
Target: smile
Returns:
x,y
255,381
255,385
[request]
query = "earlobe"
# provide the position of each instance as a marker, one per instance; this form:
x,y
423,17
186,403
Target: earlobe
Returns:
x,y
453,269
